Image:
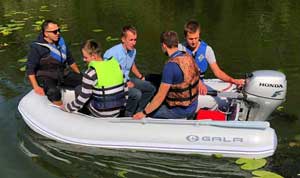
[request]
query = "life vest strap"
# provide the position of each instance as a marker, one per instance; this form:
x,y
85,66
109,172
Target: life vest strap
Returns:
x,y
184,89
183,99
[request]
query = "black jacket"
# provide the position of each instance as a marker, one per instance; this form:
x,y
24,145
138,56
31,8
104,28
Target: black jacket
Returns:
x,y
37,52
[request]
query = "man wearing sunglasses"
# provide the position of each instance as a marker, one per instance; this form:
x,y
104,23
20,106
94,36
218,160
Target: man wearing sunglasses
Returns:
x,y
47,64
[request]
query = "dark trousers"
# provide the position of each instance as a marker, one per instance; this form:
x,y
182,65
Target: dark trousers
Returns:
x,y
52,86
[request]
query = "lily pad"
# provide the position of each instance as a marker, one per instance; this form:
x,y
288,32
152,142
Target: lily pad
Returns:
x,y
37,27
251,164
2,50
265,174
8,15
27,18
109,39
294,144
218,156
16,28
17,21
97,30
64,27
22,60
23,13
39,22
3,45
22,69
44,10
280,108
28,35
6,32
44,7
122,174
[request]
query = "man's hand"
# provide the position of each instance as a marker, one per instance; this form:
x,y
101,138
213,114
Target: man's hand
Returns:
x,y
202,88
130,84
39,90
139,116
62,107
239,82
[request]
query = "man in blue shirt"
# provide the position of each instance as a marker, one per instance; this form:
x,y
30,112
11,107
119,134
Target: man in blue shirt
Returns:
x,y
179,84
140,91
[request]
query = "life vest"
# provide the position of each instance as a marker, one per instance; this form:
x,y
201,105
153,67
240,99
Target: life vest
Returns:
x,y
54,64
109,92
200,58
184,93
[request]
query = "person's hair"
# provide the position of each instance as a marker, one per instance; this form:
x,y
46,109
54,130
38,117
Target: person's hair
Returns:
x,y
191,27
91,47
169,38
46,23
126,28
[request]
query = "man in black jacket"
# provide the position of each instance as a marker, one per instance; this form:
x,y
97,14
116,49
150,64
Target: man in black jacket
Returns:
x,y
47,62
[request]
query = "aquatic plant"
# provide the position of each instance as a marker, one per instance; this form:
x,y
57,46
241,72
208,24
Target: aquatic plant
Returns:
x,y
251,164
265,174
97,30
109,39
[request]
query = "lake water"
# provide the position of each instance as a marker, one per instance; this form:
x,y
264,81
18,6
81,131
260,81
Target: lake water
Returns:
x,y
246,35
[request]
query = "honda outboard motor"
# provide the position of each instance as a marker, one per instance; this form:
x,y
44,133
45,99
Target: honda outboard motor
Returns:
x,y
264,91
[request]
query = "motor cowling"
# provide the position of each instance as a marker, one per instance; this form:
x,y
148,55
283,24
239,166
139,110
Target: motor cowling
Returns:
x,y
266,83
265,90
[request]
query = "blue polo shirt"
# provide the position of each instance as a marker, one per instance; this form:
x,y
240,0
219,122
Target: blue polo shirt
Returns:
x,y
172,74
125,57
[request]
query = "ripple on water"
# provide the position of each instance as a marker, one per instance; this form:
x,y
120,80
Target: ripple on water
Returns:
x,y
78,159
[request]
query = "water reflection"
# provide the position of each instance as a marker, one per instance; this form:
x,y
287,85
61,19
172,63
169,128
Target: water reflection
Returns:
x,y
77,161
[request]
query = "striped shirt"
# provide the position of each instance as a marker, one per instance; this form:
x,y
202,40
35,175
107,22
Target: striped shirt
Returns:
x,y
90,80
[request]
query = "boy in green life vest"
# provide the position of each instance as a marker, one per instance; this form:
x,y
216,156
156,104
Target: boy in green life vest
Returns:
x,y
103,90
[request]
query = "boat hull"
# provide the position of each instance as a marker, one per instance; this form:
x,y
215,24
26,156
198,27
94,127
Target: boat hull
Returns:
x,y
230,139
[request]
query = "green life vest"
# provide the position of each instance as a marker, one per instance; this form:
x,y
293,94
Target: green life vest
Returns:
x,y
109,73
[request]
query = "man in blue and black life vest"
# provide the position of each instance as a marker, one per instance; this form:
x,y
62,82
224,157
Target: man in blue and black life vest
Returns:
x,y
203,55
47,64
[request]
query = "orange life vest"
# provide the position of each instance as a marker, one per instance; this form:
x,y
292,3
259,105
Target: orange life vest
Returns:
x,y
184,93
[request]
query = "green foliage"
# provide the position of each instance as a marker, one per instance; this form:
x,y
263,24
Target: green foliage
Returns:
x,y
251,164
39,22
6,32
43,7
109,39
64,27
97,30
22,69
280,108
22,60
265,174
122,173
3,45
218,156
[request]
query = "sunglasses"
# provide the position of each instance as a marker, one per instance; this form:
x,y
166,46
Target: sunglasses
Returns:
x,y
55,31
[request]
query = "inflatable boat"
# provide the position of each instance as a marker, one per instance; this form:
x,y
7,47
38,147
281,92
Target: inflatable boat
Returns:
x,y
243,134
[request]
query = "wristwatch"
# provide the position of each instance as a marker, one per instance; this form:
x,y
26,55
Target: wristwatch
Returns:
x,y
144,112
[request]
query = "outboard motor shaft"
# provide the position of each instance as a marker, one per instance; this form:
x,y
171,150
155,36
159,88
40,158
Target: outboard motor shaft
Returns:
x,y
264,91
